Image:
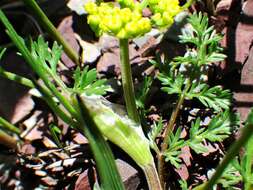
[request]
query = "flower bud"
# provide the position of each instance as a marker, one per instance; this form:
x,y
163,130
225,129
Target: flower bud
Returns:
x,y
153,2
93,21
127,3
167,19
157,19
144,26
132,28
91,8
125,15
114,24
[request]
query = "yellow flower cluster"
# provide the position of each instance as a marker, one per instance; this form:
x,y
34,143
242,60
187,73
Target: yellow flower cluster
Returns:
x,y
124,22
164,12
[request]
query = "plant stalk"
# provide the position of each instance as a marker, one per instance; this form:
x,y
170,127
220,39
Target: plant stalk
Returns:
x,y
49,27
152,177
17,78
166,134
127,81
232,152
7,125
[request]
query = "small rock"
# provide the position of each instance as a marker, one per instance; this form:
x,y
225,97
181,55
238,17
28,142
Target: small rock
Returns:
x,y
128,174
49,143
141,41
67,32
83,182
109,63
223,6
49,181
243,91
40,173
107,42
80,139
247,8
16,103
90,52
28,149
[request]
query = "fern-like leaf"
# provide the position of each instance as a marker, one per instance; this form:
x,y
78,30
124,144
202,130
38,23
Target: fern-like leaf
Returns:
x,y
86,82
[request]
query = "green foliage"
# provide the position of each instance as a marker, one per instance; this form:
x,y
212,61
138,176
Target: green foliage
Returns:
x,y
174,149
173,84
155,131
183,184
217,130
142,94
186,73
243,166
86,82
43,63
204,38
55,132
212,97
2,51
41,52
230,177
185,76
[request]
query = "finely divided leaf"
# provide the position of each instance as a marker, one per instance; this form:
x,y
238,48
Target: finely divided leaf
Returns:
x,y
174,150
213,97
86,82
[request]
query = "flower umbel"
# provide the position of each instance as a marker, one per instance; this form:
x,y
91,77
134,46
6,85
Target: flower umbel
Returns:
x,y
124,18
164,12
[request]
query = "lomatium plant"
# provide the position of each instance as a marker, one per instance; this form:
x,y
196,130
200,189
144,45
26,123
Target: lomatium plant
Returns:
x,y
83,107
124,20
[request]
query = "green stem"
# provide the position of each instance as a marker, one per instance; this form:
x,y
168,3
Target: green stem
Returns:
x,y
17,78
47,97
7,125
166,134
7,140
127,81
248,155
232,152
152,177
49,27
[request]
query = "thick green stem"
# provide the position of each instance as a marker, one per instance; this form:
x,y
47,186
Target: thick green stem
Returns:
x,y
230,155
7,125
152,177
49,27
127,81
